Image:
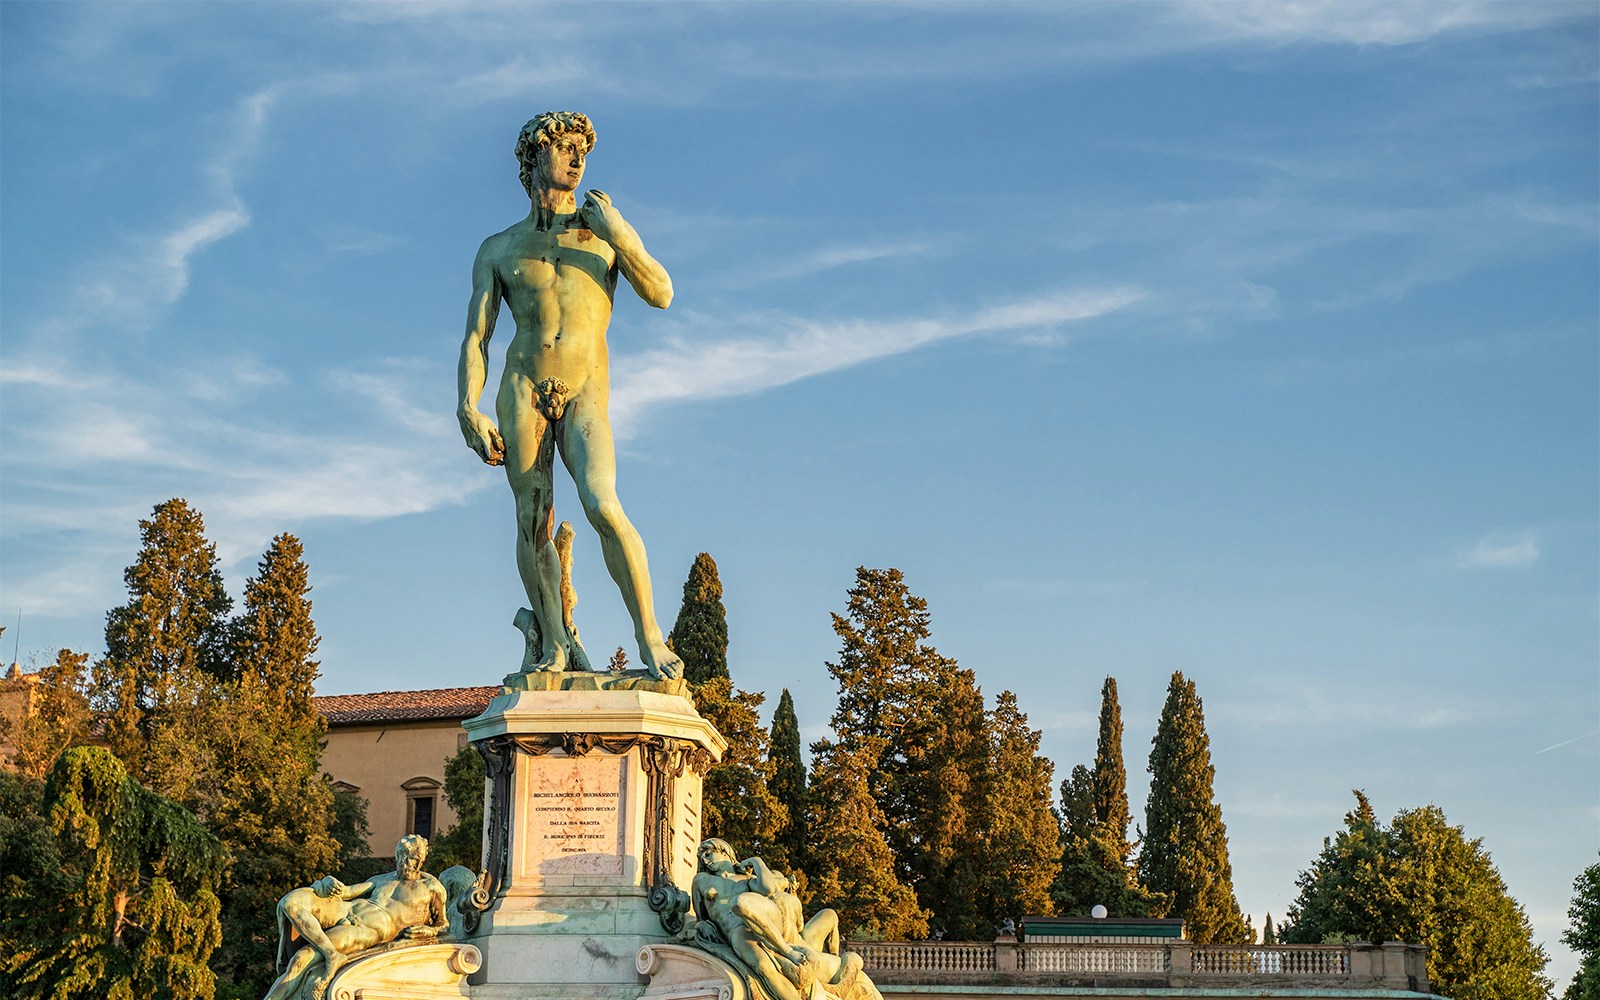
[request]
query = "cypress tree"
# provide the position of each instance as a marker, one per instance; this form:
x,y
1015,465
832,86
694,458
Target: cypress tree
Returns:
x,y
788,786
1269,935
1020,853
1093,871
853,869
168,643
1110,779
1185,852
700,635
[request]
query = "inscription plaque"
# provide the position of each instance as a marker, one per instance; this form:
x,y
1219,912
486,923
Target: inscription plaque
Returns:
x,y
572,809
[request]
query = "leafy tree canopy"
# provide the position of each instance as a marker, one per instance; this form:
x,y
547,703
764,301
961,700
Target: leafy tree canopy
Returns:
x,y
853,869
1019,855
60,716
1421,880
1583,936
920,718
462,844
168,642
737,803
132,909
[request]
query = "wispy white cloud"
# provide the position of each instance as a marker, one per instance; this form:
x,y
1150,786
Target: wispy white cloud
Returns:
x,y
1501,550
1369,22
829,258
800,348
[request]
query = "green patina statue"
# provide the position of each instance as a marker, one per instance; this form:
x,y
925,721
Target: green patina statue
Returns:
x,y
748,917
557,272
337,921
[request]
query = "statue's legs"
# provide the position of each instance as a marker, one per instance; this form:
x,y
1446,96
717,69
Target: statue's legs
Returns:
x,y
822,932
765,919
589,453
530,458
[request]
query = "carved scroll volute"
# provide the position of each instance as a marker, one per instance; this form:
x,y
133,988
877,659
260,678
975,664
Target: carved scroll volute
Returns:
x,y
664,761
499,762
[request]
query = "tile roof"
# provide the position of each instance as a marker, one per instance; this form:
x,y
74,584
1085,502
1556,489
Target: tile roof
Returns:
x,y
393,706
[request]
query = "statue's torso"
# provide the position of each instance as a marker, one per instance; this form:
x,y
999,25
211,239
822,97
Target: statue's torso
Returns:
x,y
558,285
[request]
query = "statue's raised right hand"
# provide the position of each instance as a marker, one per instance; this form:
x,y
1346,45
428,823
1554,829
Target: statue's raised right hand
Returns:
x,y
482,436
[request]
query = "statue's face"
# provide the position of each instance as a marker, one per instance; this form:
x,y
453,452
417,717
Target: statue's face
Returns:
x,y
561,163
410,866
711,852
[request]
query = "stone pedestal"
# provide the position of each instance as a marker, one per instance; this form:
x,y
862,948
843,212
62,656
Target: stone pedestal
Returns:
x,y
591,822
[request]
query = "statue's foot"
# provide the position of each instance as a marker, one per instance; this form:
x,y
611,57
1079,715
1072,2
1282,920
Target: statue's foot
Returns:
x,y
334,964
661,662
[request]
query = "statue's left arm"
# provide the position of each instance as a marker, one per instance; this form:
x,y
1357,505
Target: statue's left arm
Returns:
x,y
643,271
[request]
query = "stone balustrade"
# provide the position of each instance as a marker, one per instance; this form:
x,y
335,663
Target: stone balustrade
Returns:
x,y
1388,966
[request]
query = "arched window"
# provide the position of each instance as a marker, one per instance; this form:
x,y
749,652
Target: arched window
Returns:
x,y
422,805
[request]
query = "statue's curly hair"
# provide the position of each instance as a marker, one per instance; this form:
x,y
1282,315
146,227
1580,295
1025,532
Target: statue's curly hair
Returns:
x,y
409,846
544,129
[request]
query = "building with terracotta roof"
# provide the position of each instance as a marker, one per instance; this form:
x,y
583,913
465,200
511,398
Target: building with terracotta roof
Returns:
x,y
390,748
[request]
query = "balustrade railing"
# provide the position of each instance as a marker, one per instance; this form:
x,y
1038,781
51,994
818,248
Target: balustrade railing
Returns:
x,y
1304,960
1093,958
1320,961
926,956
1177,960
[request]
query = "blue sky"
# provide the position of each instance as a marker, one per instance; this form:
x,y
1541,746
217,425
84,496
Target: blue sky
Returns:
x,y
1252,340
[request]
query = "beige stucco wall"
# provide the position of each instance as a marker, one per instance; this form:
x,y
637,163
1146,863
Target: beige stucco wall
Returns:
x,y
378,759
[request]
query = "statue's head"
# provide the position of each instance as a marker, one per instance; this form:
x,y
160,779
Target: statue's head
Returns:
x,y
409,854
711,849
552,129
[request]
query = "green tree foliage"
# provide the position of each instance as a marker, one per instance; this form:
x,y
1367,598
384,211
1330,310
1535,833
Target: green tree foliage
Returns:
x,y
1110,779
462,844
1583,936
60,716
274,640
924,716
737,803
853,869
168,643
700,635
788,786
1019,855
1093,871
1269,935
1421,880
1185,850
350,831
130,909
250,765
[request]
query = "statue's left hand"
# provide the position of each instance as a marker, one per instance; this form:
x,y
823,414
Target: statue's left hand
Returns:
x,y
421,931
602,217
